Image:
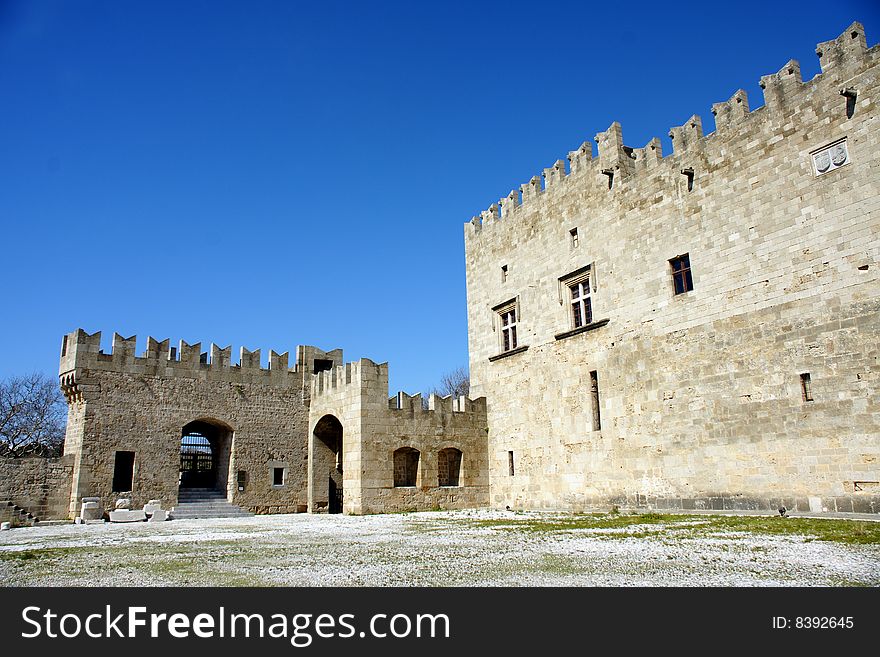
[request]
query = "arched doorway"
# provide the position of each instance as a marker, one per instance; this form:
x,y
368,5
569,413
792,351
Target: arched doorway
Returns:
x,y
326,465
204,455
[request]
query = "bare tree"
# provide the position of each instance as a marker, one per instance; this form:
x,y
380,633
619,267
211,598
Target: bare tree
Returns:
x,y
455,383
32,416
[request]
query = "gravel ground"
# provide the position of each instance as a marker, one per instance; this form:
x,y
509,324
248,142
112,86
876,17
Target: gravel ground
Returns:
x,y
422,549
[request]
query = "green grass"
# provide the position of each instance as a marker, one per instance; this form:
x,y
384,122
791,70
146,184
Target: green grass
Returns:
x,y
850,532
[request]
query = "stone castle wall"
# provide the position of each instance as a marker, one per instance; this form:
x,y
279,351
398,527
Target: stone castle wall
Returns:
x,y
700,396
120,402
375,426
39,485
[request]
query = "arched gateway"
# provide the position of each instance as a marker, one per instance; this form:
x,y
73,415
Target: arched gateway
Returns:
x,y
204,455
326,466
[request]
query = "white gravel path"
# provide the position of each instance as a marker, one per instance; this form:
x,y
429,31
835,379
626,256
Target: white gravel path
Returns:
x,y
418,549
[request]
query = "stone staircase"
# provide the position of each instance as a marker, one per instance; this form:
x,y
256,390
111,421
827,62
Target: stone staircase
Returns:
x,y
18,516
205,503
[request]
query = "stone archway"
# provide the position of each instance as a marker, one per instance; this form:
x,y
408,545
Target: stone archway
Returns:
x,y
325,466
205,447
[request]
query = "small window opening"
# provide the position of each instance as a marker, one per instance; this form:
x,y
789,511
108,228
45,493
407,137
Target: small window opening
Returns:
x,y
510,463
806,387
689,174
851,95
406,467
322,365
503,273
241,479
172,354
594,394
123,472
573,233
448,467
64,346
277,476
610,174
681,274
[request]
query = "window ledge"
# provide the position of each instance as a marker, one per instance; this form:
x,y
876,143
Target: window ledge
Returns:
x,y
582,329
505,354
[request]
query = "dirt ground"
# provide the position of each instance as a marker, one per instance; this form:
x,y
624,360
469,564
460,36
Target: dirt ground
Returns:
x,y
465,548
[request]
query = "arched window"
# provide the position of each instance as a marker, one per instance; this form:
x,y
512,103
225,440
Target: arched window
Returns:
x,y
448,466
406,466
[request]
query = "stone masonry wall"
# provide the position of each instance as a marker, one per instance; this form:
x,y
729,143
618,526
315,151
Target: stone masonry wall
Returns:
x,y
376,426
39,485
700,396
121,402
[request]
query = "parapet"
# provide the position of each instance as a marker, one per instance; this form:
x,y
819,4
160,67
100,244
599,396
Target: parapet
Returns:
x,y
82,351
840,59
369,381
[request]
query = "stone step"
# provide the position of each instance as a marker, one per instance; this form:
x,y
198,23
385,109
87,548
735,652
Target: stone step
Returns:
x,y
205,503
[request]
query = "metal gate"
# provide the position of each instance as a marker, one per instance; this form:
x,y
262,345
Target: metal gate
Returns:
x,y
196,461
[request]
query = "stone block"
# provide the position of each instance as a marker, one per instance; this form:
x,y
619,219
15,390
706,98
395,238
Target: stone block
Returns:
x,y
127,515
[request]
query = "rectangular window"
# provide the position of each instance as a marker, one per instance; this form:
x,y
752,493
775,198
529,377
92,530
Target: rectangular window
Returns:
x,y
581,306
806,387
510,463
508,328
503,273
681,274
242,479
573,233
123,472
277,476
321,365
594,395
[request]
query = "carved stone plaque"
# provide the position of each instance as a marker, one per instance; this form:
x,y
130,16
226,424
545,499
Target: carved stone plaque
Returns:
x,y
831,157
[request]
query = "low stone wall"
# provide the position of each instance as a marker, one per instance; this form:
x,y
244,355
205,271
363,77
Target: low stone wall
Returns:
x,y
39,485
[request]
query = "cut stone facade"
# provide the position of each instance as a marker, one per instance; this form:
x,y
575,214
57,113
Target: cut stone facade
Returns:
x,y
392,447
695,331
701,401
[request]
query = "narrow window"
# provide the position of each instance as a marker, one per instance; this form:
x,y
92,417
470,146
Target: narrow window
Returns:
x,y
573,233
610,174
503,273
406,467
510,463
277,476
594,394
508,328
123,472
241,479
850,94
806,387
689,174
681,274
581,306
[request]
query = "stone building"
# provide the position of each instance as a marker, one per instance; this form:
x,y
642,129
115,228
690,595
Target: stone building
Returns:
x,y
319,436
694,331
699,330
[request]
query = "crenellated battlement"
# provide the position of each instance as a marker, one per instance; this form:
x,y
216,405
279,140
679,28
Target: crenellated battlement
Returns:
x,y
82,351
619,168
369,380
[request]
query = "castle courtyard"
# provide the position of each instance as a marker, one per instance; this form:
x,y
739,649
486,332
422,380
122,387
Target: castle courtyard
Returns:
x,y
449,548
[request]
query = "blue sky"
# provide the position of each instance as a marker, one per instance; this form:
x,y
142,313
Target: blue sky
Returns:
x,y
270,174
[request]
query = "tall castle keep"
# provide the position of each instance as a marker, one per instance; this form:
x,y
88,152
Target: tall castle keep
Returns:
x,y
699,330
693,331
